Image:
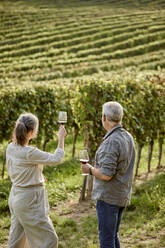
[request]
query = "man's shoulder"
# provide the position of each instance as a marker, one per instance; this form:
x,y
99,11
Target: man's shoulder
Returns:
x,y
122,130
128,134
119,136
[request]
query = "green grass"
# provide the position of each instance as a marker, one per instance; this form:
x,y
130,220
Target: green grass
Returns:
x,y
76,224
145,217
143,220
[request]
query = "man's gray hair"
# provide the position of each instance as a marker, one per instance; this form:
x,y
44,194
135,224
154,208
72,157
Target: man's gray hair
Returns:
x,y
113,111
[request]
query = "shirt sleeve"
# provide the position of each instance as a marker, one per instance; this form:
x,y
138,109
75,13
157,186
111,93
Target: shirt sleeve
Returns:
x,y
36,156
108,158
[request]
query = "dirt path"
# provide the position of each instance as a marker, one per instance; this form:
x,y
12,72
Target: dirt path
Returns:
x,y
74,209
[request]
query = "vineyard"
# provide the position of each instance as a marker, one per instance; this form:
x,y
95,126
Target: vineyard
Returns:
x,y
74,55
56,41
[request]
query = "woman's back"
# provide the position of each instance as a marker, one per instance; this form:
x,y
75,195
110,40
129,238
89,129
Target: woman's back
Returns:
x,y
24,164
22,171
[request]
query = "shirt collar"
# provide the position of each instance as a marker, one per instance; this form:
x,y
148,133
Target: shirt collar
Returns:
x,y
111,131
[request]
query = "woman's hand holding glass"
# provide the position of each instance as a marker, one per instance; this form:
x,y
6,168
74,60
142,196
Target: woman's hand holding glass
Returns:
x,y
61,135
62,132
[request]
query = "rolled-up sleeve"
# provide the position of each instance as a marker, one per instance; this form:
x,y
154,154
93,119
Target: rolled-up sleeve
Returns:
x,y
36,156
108,158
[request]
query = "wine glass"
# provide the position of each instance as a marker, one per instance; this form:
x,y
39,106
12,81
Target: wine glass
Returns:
x,y
62,117
84,158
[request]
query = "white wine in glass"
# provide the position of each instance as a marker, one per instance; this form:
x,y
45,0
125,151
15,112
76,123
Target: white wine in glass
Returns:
x,y
84,158
62,117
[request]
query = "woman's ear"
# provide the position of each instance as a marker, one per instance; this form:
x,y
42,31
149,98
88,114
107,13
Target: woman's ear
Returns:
x,y
31,134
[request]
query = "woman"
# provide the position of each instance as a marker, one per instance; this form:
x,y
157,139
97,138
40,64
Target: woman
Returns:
x,y
28,200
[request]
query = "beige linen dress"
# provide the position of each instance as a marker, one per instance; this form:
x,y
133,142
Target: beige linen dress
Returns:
x,y
28,203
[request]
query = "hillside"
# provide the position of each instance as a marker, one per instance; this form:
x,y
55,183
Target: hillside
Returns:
x,y
48,41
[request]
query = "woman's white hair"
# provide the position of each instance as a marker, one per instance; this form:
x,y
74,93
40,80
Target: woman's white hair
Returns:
x,y
113,111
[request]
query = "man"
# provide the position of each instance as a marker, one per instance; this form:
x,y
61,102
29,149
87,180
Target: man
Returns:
x,y
113,175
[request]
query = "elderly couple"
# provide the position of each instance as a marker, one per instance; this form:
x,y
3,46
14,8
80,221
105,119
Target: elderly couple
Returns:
x,y
113,174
